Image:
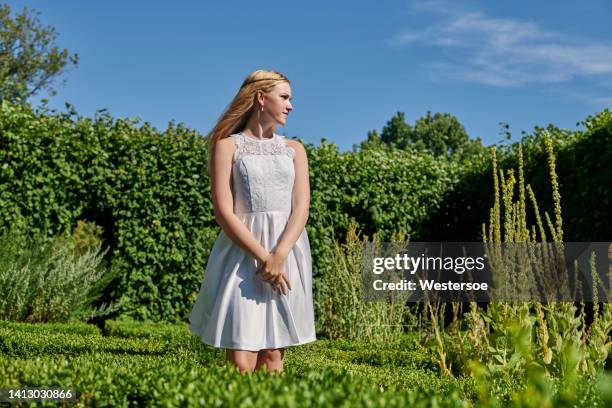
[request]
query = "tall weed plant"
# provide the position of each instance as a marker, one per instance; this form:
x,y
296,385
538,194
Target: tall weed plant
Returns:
x,y
545,345
346,315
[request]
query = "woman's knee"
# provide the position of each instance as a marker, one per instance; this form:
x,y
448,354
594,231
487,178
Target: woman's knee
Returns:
x,y
244,360
271,355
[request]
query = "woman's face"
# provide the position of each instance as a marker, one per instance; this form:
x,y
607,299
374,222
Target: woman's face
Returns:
x,y
277,103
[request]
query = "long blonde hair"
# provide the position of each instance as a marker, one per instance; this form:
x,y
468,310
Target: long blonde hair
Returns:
x,y
240,109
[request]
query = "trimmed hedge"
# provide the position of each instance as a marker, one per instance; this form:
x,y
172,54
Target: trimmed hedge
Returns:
x,y
150,192
124,368
171,367
584,173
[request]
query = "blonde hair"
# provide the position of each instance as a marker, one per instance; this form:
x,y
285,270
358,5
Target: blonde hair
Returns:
x,y
242,106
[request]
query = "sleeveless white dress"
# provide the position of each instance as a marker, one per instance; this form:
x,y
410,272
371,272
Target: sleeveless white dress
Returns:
x,y
235,308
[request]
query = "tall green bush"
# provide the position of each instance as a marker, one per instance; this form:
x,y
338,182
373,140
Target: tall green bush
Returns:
x,y
146,189
581,166
150,193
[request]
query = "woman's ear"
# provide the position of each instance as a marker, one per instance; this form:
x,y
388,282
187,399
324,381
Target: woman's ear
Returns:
x,y
259,96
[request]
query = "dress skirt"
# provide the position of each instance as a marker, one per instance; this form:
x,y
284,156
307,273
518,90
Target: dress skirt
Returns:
x,y
236,309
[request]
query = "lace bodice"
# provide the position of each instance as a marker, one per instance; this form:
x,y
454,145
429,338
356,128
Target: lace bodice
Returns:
x,y
262,174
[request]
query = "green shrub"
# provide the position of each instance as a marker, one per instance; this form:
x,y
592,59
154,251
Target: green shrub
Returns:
x,y
44,280
581,166
149,192
123,368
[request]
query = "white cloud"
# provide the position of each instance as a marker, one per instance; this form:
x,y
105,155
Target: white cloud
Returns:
x,y
503,52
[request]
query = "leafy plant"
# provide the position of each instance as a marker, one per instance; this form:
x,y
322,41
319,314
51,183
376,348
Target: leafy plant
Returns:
x,y
48,280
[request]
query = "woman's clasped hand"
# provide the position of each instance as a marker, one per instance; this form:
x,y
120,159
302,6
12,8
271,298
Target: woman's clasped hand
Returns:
x,y
272,271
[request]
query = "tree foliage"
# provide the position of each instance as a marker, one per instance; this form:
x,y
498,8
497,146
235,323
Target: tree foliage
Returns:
x,y
441,134
29,59
397,133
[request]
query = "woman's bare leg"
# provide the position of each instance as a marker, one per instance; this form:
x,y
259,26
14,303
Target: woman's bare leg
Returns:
x,y
271,358
243,359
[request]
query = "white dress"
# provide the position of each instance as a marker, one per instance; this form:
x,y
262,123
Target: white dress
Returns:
x,y
235,308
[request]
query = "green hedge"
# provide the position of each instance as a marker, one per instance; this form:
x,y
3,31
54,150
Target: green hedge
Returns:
x,y
171,367
150,192
121,366
147,190
584,173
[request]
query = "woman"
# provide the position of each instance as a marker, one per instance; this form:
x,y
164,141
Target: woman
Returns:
x,y
256,296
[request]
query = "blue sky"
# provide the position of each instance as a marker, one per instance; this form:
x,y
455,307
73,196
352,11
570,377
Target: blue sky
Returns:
x,y
353,65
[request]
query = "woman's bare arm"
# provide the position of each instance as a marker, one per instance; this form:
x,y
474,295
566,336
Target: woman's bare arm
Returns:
x,y
223,201
300,202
